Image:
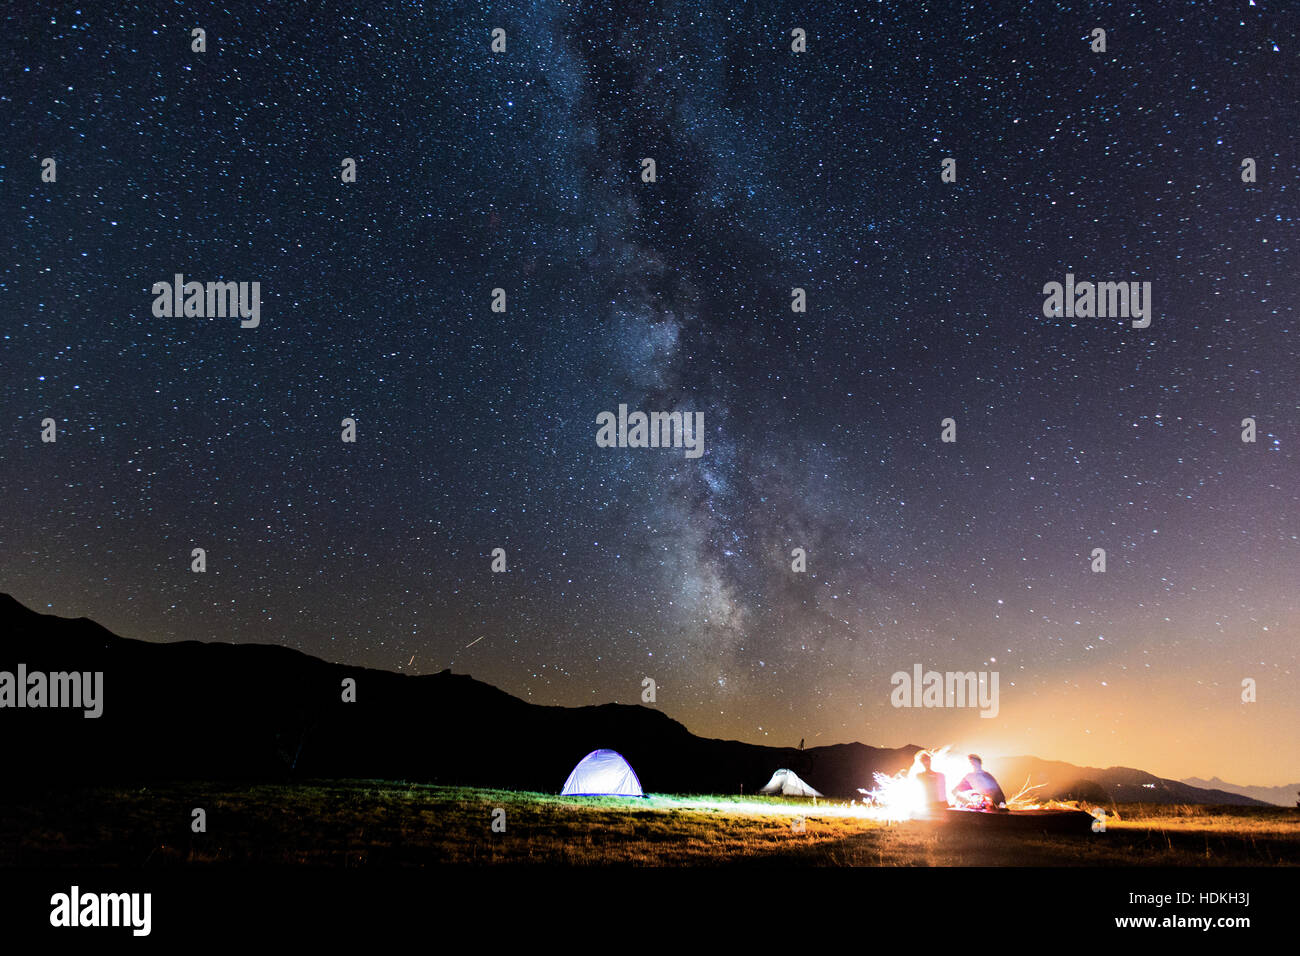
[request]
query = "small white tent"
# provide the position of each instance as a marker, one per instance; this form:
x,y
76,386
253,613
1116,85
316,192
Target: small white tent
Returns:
x,y
787,784
603,773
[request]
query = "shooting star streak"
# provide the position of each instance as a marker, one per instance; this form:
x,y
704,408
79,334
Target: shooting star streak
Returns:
x,y
411,661
475,641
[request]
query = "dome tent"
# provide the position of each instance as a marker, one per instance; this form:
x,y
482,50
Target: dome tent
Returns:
x,y
787,784
603,773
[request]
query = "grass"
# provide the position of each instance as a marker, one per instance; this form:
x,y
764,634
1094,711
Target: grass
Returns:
x,y
389,824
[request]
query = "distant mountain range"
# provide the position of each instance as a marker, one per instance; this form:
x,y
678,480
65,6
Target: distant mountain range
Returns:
x,y
211,711
1284,796
1120,784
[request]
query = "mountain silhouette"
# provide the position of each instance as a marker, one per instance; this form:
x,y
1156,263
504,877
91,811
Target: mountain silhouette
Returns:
x,y
1286,795
1065,781
213,711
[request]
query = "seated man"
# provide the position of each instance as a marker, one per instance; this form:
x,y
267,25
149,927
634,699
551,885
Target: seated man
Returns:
x,y
933,785
979,786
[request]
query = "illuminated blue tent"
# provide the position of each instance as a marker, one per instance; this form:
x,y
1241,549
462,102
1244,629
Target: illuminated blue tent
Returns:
x,y
603,773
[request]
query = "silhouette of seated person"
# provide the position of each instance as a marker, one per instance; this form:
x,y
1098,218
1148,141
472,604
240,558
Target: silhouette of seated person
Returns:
x,y
979,789
934,787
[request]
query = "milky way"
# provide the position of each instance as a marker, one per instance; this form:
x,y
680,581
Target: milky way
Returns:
x,y
776,170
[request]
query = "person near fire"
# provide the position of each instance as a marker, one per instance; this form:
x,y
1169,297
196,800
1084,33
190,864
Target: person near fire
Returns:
x,y
933,785
979,787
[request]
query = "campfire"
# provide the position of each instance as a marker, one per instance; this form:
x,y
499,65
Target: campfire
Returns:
x,y
901,797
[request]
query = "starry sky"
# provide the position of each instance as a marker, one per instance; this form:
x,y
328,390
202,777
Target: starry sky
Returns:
x,y
775,170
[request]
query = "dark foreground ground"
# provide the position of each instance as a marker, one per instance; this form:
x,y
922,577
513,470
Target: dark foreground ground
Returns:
x,y
386,824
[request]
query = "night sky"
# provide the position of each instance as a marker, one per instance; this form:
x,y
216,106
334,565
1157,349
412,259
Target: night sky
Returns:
x,y
476,429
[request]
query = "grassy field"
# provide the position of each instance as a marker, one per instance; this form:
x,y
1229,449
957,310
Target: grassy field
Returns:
x,y
386,824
